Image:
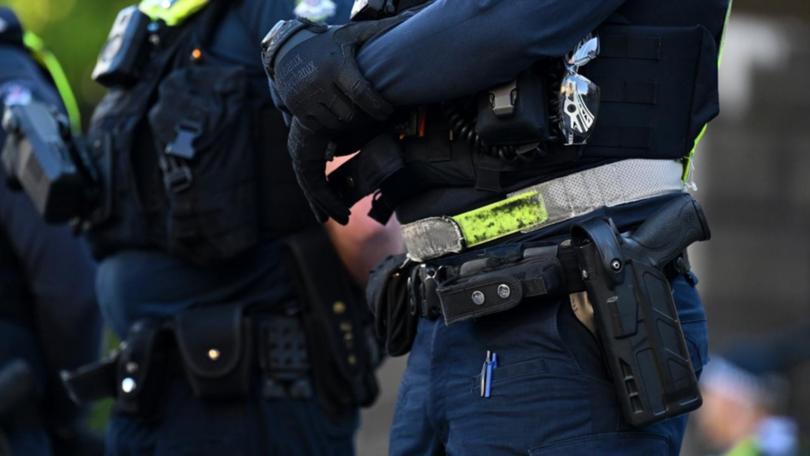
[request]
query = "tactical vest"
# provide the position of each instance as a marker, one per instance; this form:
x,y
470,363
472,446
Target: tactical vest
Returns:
x,y
192,155
657,71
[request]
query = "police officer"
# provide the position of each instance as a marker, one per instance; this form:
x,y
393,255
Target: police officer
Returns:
x,y
243,333
527,147
48,315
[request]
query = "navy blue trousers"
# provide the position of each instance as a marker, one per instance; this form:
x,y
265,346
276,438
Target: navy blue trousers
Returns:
x,y
256,426
27,436
550,394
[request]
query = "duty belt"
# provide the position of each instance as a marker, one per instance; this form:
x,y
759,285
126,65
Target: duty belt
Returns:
x,y
494,283
543,205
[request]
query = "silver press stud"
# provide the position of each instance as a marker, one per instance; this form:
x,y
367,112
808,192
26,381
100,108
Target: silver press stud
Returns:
x,y
504,291
478,298
128,385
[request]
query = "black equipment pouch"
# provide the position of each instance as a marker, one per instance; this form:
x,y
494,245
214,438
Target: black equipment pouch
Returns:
x,y
636,317
215,347
124,52
342,348
203,132
142,368
516,113
283,358
395,312
486,287
92,382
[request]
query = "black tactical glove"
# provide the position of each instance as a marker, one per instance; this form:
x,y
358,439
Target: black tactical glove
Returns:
x,y
315,76
309,152
315,73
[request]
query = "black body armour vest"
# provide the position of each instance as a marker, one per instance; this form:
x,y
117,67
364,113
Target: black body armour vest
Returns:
x,y
192,156
657,72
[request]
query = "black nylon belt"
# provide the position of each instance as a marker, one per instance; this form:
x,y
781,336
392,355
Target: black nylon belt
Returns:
x,y
484,286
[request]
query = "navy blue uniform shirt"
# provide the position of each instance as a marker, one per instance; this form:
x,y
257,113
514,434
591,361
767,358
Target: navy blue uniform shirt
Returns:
x,y
455,48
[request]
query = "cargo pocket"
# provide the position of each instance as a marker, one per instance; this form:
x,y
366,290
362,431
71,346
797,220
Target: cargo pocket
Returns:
x,y
615,443
202,126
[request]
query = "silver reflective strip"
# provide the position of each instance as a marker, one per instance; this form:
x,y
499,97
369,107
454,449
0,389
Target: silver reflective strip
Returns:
x,y
425,238
565,198
607,186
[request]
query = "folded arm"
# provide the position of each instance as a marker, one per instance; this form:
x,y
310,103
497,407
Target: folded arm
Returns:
x,y
454,48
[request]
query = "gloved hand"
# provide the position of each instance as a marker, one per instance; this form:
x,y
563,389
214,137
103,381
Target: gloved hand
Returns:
x,y
315,78
310,151
314,71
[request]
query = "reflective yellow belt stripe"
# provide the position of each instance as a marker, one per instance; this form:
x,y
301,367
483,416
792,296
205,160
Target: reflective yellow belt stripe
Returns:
x,y
49,61
687,167
502,218
171,12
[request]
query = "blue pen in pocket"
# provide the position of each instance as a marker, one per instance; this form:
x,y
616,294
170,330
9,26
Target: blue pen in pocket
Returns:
x,y
487,369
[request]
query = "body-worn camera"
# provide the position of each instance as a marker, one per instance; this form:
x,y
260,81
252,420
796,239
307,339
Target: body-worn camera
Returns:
x,y
41,157
124,51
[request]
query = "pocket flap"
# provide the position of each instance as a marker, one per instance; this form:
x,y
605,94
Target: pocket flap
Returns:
x,y
201,97
210,340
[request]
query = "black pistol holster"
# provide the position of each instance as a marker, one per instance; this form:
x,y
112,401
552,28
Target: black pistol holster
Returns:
x,y
636,317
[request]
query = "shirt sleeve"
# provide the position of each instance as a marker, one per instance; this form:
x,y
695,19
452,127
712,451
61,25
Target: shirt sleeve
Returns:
x,y
19,73
59,271
455,48
61,280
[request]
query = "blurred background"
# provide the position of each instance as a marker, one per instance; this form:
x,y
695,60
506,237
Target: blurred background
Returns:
x,y
752,175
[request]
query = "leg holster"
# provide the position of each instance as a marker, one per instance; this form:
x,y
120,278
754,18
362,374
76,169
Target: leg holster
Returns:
x,y
635,312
